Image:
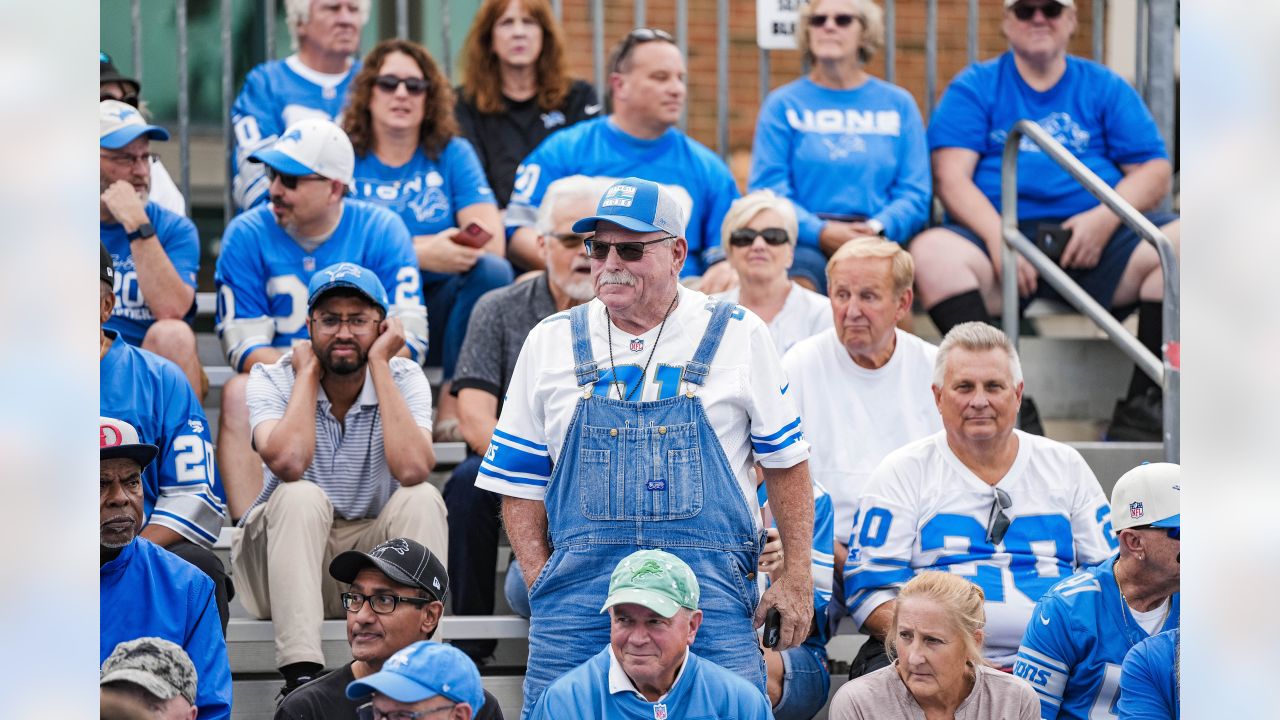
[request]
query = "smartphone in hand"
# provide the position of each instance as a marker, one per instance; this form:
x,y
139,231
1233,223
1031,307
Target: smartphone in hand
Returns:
x,y
772,627
473,236
1052,240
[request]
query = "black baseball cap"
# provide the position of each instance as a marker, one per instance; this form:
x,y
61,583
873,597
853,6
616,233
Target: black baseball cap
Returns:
x,y
107,269
401,559
107,72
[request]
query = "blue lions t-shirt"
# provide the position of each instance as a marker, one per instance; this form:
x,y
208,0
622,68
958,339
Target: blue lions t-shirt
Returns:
x,y
1091,110
425,193
177,235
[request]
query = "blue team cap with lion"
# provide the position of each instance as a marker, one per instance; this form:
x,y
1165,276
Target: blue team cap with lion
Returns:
x,y
422,671
311,146
120,124
638,205
347,275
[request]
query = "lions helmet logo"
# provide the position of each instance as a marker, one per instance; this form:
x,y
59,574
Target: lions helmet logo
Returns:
x,y
400,546
345,269
650,568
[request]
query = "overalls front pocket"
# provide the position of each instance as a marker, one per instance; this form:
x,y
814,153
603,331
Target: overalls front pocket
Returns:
x,y
650,473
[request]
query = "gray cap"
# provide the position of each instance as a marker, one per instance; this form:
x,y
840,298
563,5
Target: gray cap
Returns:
x,y
157,665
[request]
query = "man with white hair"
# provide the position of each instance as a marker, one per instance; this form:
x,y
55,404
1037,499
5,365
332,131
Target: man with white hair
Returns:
x,y
499,325
1012,512
311,83
647,437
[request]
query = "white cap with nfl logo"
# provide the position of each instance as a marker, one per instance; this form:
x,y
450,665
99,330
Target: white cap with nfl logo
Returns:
x,y
311,146
1149,494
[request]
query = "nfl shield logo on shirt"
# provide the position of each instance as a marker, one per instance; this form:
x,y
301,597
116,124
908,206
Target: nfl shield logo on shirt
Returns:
x,y
637,344
659,712
1135,510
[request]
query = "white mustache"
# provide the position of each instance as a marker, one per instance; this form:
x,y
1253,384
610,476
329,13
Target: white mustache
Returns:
x,y
620,277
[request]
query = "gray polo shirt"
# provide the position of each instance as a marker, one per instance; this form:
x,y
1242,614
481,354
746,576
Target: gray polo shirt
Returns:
x,y
499,324
350,463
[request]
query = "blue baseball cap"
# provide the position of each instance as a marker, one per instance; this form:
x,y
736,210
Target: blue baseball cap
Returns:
x,y
120,124
348,275
638,205
422,671
313,146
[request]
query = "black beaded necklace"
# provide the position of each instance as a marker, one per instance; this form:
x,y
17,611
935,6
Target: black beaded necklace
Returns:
x,y
608,324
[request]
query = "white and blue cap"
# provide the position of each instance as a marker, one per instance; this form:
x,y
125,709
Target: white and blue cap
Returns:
x,y
120,124
422,671
638,205
313,146
1149,494
347,275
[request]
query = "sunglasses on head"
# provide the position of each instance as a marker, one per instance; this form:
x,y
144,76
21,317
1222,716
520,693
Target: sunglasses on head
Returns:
x,y
998,522
627,251
842,20
289,181
412,85
639,36
744,237
1026,12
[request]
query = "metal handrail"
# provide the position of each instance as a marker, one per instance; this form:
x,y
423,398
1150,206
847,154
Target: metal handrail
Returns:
x,y
1166,373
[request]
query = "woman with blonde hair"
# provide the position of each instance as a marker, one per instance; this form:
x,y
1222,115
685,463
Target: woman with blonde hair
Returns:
x,y
937,673
515,87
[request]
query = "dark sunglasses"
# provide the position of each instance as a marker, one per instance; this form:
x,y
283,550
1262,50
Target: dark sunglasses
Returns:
x,y
998,522
289,181
842,20
412,85
744,237
639,36
1174,532
569,240
130,99
627,251
1026,12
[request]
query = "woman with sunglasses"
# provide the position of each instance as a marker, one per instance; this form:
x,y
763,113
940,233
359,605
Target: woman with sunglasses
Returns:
x,y
515,87
847,148
759,239
410,158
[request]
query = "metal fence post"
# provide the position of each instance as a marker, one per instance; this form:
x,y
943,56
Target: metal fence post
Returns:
x,y
135,25
597,44
972,39
890,39
722,78
1099,27
269,28
184,105
931,57
225,16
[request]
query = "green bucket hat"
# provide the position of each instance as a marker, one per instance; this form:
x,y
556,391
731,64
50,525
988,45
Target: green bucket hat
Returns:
x,y
655,579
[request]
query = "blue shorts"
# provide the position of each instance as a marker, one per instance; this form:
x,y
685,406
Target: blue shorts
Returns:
x,y
806,683
1101,280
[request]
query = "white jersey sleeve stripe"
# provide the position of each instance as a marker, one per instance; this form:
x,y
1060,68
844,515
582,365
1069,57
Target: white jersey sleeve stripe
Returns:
x,y
785,429
182,526
1041,659
489,471
514,440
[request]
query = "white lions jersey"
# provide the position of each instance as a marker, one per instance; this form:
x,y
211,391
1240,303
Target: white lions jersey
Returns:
x,y
804,313
742,395
924,510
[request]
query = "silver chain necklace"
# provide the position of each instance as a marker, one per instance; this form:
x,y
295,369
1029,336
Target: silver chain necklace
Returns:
x,y
1125,608
608,324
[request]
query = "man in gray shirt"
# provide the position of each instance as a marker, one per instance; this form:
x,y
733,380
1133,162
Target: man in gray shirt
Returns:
x,y
497,330
343,426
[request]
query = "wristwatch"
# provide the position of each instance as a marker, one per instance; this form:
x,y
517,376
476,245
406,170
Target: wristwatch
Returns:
x,y
143,232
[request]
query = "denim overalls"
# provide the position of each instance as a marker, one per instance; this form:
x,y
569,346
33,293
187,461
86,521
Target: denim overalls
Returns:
x,y
635,475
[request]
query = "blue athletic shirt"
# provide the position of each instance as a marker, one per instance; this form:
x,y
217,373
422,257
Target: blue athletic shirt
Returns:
x,y
263,273
846,152
181,487
425,193
177,235
822,560
1149,679
275,95
1092,111
1076,640
693,174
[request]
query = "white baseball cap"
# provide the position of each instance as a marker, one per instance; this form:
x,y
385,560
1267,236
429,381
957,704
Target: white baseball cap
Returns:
x,y
120,124
1149,494
1064,3
311,146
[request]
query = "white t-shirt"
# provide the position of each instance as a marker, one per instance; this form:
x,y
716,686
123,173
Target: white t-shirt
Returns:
x,y
743,395
924,509
854,417
803,314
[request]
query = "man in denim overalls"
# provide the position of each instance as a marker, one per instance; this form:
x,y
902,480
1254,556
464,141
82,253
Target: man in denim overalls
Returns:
x,y
633,422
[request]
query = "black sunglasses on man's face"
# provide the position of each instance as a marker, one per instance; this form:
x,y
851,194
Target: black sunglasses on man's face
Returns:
x,y
1025,12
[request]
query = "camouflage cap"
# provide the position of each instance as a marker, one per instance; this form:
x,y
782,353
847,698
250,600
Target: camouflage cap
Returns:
x,y
157,665
655,579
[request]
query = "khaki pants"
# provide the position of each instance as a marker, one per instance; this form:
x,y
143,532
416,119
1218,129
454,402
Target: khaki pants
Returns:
x,y
281,559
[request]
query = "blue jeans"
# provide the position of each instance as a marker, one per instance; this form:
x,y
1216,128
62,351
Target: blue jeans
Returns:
x,y
450,299
474,518
516,590
805,682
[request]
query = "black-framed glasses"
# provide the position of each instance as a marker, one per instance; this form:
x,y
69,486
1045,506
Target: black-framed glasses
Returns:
x,y
998,521
569,239
744,237
639,36
369,712
1173,532
1026,12
359,325
289,181
843,20
627,251
125,160
381,604
412,85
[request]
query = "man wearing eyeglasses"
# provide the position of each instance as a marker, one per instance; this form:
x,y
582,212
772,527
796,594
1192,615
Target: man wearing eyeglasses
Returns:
x,y
1101,120
343,426
1011,511
114,85
499,325
270,254
395,597
156,252
311,83
639,137
1077,639
424,680
635,421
